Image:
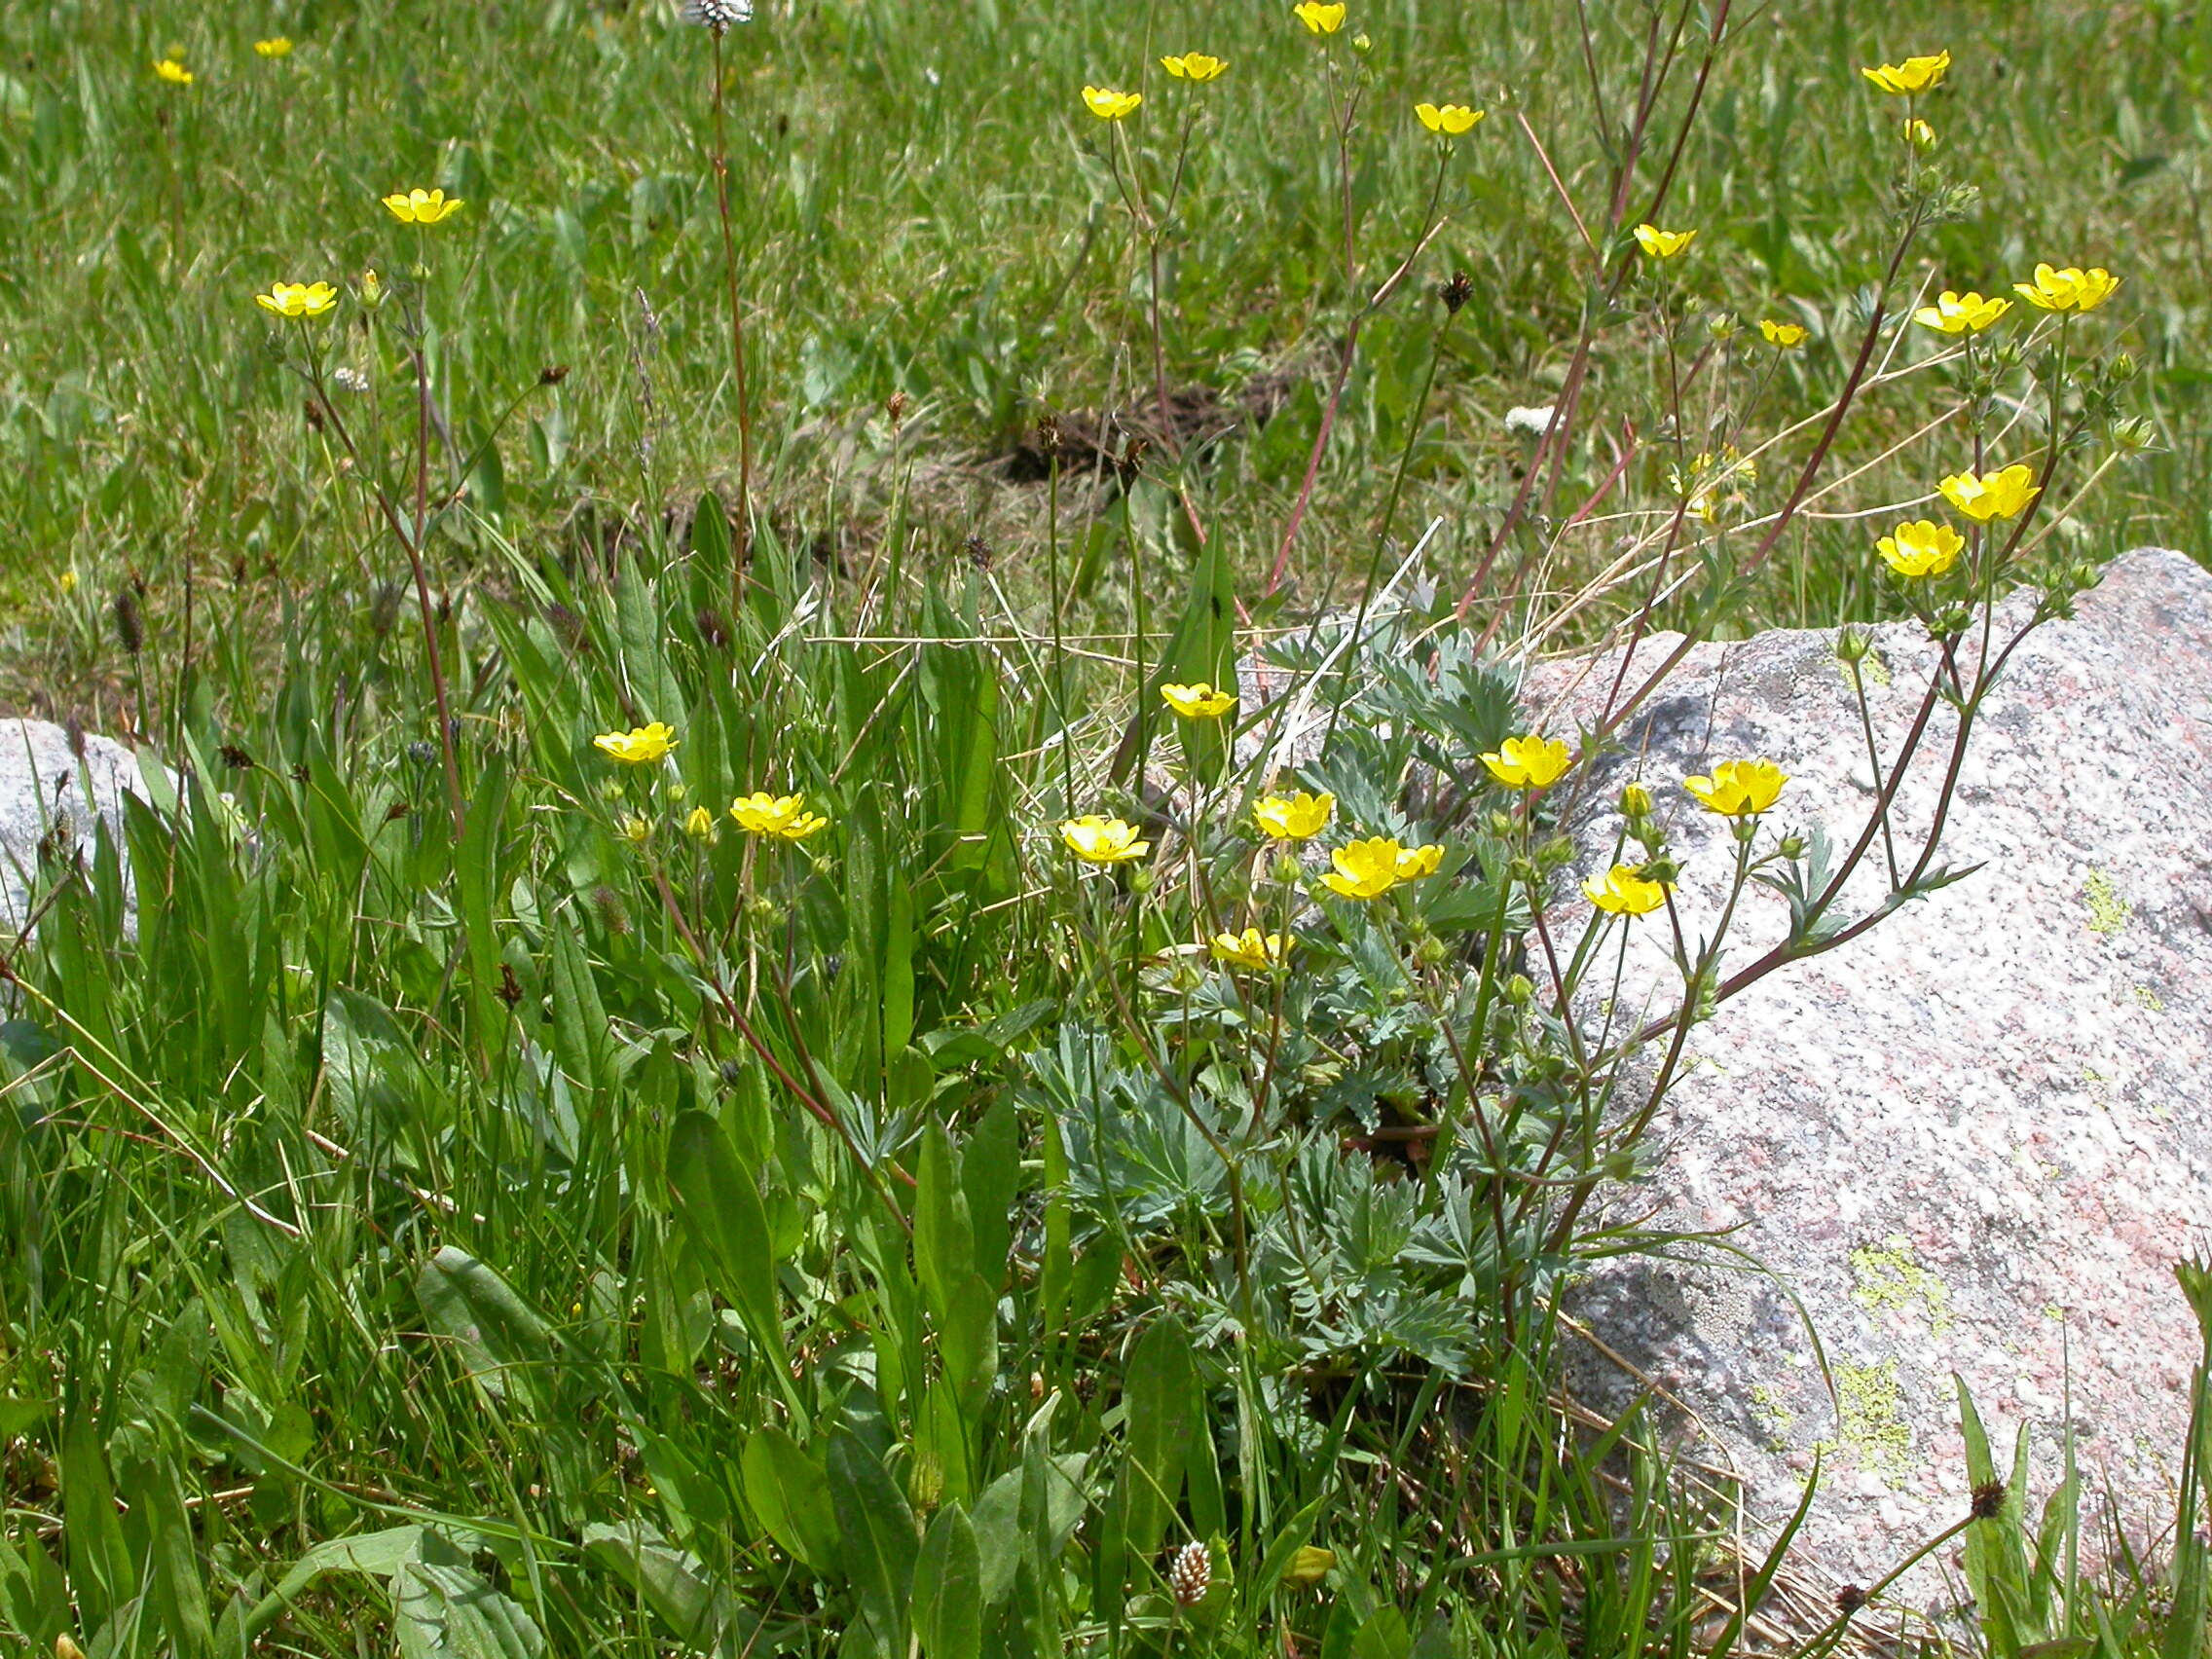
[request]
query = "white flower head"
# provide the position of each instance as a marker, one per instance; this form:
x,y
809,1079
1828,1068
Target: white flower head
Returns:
x,y
717,15
1534,419
350,380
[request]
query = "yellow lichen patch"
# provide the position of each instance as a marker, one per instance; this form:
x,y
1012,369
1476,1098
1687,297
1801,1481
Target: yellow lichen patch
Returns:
x,y
1774,1417
2108,910
1872,1419
1891,1277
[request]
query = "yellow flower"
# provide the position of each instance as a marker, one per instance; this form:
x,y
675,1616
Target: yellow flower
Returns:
x,y
2071,290
1102,840
1418,862
173,72
1449,120
699,823
1293,818
1109,105
763,814
1662,244
637,830
1739,787
641,746
1365,869
297,299
1199,702
1785,336
423,206
1194,66
1914,75
1921,547
69,581
1962,314
277,46
1319,18
1532,762
2001,495
1624,892
1250,948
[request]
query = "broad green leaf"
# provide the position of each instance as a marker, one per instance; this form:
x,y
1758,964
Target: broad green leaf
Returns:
x,y
673,1582
1160,1402
879,1540
722,1209
790,1492
499,1339
948,1600
445,1611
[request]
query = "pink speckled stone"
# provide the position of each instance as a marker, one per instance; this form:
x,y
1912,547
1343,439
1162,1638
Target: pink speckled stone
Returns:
x,y
1974,1139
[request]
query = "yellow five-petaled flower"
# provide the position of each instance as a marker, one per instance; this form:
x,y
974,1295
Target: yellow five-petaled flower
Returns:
x,y
1250,948
1447,120
1293,818
1109,105
1783,336
1199,702
173,72
2072,289
1624,891
1962,314
1320,18
1662,244
1921,547
277,46
784,816
640,745
1913,76
1102,840
1739,788
1532,762
2001,495
423,206
1417,862
1194,66
297,299
1365,869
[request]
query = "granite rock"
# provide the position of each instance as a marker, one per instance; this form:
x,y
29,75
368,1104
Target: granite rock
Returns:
x,y
49,795
1974,1139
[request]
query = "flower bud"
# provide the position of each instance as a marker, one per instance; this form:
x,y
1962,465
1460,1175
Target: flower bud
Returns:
x,y
1636,801
1432,952
2122,368
1140,881
1792,846
1520,990
2133,434
1853,643
372,289
1502,825
1307,1567
1919,135
1288,870
1362,44
1665,871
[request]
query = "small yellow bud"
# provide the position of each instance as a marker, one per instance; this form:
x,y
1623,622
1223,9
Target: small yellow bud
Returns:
x,y
1636,801
1307,1567
372,289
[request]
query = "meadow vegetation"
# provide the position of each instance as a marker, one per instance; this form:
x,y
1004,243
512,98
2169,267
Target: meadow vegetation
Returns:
x,y
734,1033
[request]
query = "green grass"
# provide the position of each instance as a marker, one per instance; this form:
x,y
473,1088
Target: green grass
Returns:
x,y
450,1220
